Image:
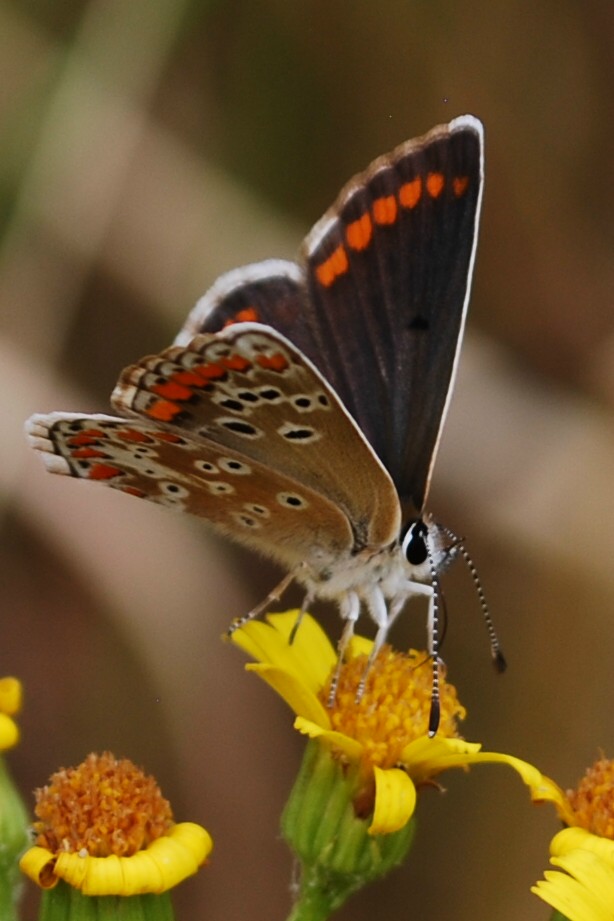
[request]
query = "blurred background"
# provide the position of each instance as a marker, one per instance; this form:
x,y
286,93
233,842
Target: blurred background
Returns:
x,y
147,146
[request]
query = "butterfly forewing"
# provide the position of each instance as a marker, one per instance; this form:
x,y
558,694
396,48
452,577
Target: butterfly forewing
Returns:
x,y
249,389
243,499
379,300
389,272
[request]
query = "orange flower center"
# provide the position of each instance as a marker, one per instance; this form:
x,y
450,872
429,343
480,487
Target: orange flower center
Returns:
x,y
394,708
105,806
593,799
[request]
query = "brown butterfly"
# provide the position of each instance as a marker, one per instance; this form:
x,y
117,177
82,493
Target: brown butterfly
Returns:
x,y
300,409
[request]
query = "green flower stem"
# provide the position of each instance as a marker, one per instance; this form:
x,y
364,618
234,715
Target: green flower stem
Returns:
x,y
14,840
320,896
63,903
338,856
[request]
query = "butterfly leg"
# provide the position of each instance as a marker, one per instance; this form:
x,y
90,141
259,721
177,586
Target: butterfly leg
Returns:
x,y
378,609
349,608
307,600
273,595
398,605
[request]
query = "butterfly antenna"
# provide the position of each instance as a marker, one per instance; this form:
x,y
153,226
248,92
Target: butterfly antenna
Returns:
x,y
495,649
457,546
273,596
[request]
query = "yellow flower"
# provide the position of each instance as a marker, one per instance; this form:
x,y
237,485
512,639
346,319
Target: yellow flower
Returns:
x,y
582,886
105,829
10,705
384,733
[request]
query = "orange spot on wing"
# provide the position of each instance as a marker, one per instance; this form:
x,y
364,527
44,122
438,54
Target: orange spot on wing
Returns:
x,y
133,435
103,472
134,491
325,274
87,437
164,410
167,436
247,315
335,265
385,210
276,362
87,452
434,184
358,234
172,391
459,185
236,363
188,379
210,371
410,193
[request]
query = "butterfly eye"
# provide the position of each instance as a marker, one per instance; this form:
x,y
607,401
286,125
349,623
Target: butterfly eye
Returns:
x,y
413,544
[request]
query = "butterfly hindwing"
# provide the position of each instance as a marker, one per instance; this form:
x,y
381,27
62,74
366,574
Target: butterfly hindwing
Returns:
x,y
243,499
249,389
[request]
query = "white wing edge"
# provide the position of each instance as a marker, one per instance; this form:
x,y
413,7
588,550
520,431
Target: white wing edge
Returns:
x,y
228,282
37,434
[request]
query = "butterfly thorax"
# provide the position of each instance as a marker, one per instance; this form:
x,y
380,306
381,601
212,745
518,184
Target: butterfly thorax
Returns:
x,y
383,579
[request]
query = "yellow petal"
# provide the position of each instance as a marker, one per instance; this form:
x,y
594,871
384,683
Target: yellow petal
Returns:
x,y
426,757
37,863
139,873
585,891
338,740
569,839
73,868
359,646
9,732
311,644
542,788
309,658
10,696
395,801
166,862
295,692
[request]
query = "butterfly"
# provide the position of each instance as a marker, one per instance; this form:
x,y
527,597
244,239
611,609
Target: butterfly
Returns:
x,y
300,408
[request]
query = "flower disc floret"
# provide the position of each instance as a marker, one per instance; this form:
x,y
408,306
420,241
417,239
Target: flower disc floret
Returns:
x,y
104,806
104,828
592,801
393,709
382,734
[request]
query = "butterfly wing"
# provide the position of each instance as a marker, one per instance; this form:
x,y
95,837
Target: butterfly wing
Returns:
x,y
379,301
389,275
247,388
240,497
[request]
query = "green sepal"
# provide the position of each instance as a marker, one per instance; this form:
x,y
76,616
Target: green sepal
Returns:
x,y
338,855
64,903
14,824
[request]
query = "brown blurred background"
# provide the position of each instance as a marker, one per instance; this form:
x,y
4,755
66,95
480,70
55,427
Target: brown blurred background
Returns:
x,y
145,147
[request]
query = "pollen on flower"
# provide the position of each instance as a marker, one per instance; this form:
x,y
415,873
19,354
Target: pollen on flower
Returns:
x,y
104,806
593,799
394,708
